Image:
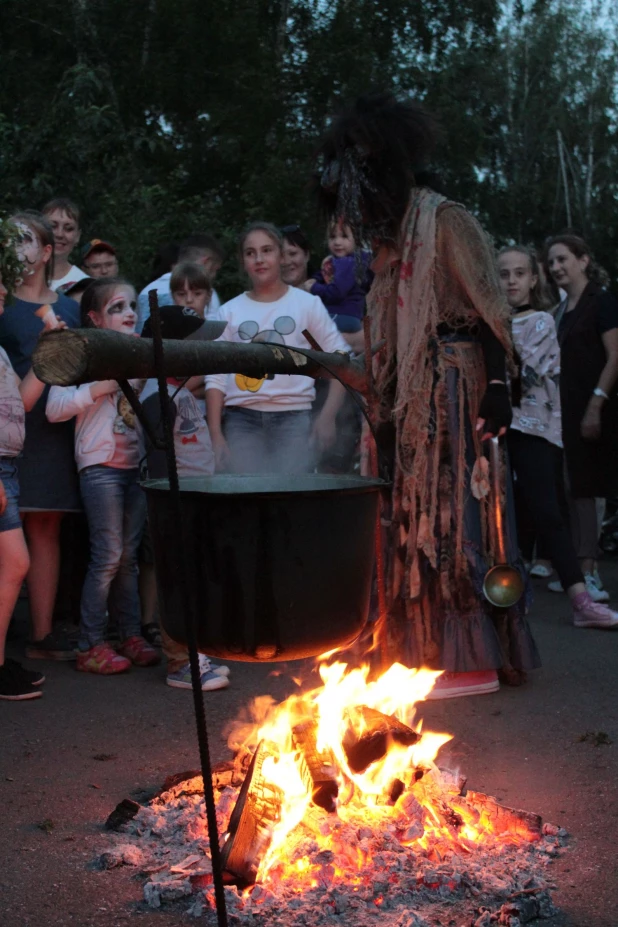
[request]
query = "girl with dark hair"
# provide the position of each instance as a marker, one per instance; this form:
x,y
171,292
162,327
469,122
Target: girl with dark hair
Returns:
x,y
343,279
534,439
441,385
46,467
587,322
107,454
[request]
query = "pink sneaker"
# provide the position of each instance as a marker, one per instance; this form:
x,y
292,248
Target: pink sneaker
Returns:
x,y
590,614
103,660
139,651
455,685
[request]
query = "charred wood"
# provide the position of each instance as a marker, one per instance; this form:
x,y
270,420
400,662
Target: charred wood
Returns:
x,y
257,810
122,814
317,768
502,818
368,735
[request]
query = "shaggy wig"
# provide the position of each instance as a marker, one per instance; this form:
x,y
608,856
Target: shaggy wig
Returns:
x,y
369,160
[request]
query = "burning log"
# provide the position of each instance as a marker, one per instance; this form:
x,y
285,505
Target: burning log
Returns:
x,y
502,818
368,735
250,829
317,768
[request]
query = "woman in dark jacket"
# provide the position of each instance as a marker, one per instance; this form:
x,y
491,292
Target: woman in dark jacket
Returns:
x,y
587,323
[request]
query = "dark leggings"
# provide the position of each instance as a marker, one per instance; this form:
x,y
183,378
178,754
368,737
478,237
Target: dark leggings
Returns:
x,y
536,464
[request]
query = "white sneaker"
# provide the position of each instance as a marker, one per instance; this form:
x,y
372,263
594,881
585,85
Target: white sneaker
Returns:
x,y
207,666
555,586
181,679
596,594
590,614
540,570
597,578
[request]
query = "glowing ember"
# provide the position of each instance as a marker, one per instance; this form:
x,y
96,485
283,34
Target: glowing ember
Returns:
x,y
343,810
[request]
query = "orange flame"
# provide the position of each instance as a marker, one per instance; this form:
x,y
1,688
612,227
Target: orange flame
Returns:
x,y
395,693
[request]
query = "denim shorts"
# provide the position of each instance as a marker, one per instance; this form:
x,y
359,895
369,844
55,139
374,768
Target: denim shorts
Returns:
x,y
9,520
347,323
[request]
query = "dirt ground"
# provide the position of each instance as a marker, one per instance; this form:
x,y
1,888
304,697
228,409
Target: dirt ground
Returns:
x,y
526,746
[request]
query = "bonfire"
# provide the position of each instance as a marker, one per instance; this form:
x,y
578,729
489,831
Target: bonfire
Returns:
x,y
334,808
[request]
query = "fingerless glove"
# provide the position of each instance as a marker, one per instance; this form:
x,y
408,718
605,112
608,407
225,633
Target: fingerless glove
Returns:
x,y
495,408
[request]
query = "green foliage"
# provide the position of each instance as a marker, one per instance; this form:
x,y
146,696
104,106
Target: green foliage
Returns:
x,y
166,117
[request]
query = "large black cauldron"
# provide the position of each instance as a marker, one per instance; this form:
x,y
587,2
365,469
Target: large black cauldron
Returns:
x,y
278,567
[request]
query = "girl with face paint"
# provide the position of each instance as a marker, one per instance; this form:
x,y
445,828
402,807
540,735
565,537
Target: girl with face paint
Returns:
x,y
46,467
107,455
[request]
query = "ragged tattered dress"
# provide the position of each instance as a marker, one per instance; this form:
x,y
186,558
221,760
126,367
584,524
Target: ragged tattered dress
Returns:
x,y
430,304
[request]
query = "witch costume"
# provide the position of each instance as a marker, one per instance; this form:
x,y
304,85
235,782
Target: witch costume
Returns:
x,y
436,304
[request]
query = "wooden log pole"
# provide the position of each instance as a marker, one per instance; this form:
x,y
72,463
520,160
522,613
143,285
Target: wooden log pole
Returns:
x,y
75,356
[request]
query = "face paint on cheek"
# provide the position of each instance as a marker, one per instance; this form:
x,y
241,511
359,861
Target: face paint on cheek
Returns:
x,y
28,249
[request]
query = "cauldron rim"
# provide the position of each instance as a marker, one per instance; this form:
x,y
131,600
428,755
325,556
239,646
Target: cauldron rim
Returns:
x,y
270,485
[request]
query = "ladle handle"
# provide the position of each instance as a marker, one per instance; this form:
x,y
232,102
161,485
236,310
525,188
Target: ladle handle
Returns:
x,y
494,463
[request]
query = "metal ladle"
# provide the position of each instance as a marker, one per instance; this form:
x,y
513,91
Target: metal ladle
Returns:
x,y
503,585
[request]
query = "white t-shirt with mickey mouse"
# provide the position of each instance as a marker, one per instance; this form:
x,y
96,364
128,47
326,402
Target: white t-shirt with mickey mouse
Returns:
x,y
279,322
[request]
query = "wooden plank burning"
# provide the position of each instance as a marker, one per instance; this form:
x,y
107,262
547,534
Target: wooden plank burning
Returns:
x,y
256,812
502,818
368,735
317,767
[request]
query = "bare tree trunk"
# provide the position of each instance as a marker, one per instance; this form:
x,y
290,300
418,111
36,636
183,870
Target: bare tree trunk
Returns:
x,y
565,179
589,170
147,33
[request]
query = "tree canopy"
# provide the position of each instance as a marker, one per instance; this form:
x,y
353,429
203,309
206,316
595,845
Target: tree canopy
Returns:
x,y
166,117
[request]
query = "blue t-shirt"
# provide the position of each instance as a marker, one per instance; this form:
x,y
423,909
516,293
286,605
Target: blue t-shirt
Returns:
x,y
20,328
47,473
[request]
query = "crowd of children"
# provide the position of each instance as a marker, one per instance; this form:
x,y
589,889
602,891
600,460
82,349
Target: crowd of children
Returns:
x,y
80,449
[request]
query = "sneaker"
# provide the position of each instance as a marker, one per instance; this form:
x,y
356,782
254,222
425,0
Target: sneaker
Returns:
x,y
56,646
555,586
181,679
102,659
590,614
597,578
219,669
152,633
596,594
455,685
541,571
13,687
139,651
31,676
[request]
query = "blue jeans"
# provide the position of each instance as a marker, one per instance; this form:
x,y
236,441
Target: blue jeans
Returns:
x,y
115,507
9,520
268,442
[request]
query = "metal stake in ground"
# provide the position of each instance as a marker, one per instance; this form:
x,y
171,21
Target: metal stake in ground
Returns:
x,y
189,613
